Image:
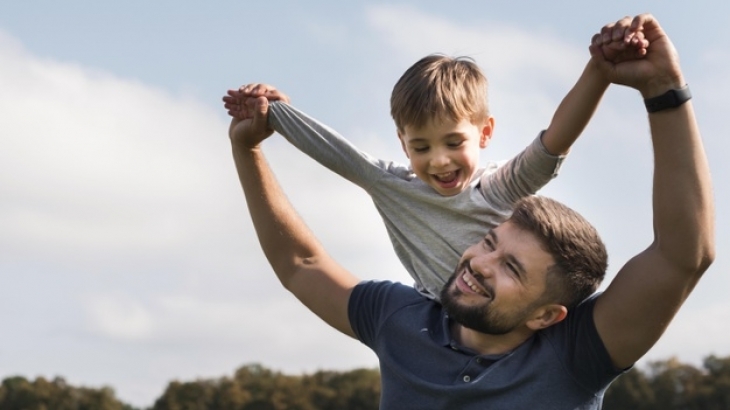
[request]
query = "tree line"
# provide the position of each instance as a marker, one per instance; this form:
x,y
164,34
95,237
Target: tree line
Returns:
x,y
670,384
665,385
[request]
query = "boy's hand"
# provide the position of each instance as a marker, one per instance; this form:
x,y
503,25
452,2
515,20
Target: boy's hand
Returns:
x,y
240,103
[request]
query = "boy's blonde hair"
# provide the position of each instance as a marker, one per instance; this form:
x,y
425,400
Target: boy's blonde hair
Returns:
x,y
439,87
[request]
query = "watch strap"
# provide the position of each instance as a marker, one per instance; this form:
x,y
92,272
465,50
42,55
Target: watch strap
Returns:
x,y
670,99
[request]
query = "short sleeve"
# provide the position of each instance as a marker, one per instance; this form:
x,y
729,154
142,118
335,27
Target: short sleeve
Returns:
x,y
373,302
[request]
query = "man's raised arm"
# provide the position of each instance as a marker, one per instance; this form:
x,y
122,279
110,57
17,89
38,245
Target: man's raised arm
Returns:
x,y
298,259
640,302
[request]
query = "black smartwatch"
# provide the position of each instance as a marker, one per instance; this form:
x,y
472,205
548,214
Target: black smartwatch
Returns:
x,y
670,99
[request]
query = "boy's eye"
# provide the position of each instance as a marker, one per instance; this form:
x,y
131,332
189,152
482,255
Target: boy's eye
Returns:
x,y
455,144
420,149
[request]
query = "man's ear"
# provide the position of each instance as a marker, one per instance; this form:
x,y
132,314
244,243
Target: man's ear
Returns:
x,y
546,316
486,134
403,144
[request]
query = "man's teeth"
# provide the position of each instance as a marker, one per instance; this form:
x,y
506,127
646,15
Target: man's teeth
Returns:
x,y
472,285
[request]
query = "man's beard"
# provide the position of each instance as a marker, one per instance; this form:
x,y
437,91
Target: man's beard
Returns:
x,y
482,317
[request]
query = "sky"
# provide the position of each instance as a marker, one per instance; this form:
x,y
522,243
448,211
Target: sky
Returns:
x,y
127,256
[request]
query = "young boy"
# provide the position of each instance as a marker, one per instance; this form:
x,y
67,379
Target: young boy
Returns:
x,y
440,109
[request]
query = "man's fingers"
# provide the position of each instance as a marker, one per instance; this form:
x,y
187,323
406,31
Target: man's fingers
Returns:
x,y
596,39
607,33
649,25
621,29
642,21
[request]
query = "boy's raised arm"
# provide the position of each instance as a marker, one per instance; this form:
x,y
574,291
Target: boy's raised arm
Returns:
x,y
578,106
296,256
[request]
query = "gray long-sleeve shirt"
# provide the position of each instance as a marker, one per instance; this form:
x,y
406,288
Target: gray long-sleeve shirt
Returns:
x,y
429,232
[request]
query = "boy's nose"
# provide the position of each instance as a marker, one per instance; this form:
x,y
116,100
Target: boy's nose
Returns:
x,y
439,160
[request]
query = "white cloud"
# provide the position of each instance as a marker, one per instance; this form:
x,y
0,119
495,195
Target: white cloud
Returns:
x,y
119,317
94,163
505,50
131,193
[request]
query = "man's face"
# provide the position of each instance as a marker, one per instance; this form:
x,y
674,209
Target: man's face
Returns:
x,y
445,154
499,282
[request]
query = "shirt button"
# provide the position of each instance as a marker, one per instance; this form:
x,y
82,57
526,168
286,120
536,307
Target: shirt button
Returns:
x,y
467,379
479,360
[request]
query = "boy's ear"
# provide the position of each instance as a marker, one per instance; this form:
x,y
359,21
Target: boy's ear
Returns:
x,y
487,130
403,144
546,316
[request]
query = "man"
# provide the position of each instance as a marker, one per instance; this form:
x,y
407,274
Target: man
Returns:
x,y
510,334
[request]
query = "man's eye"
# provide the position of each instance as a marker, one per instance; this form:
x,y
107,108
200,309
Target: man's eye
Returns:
x,y
513,269
488,243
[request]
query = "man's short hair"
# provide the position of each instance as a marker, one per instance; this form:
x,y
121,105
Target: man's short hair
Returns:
x,y
579,253
439,87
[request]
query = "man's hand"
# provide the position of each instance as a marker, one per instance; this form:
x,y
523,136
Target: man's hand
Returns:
x,y
251,131
619,43
655,73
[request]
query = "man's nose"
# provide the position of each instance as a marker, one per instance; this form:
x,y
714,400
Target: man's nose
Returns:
x,y
482,265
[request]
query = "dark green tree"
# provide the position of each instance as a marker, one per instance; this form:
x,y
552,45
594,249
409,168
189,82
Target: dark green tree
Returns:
x,y
19,393
630,391
254,387
675,384
714,394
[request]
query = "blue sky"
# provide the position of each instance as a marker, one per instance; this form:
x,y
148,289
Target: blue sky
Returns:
x,y
127,257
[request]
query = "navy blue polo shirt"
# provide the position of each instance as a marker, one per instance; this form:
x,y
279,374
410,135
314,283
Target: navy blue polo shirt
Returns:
x,y
565,366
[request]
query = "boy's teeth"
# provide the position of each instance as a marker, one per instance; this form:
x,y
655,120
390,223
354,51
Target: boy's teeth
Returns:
x,y
446,176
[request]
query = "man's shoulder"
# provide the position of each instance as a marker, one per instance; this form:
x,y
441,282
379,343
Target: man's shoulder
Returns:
x,y
580,316
388,292
392,302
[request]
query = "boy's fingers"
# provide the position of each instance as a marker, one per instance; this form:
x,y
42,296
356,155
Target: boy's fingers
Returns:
x,y
248,89
261,108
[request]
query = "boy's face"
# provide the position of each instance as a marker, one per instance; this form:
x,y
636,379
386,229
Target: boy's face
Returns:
x,y
445,153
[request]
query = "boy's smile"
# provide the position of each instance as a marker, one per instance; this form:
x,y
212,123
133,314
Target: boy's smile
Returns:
x,y
445,153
